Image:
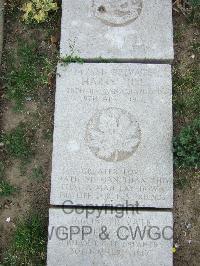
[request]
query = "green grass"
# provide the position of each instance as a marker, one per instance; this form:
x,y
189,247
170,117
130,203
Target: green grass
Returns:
x,y
196,48
187,92
6,189
179,33
48,134
37,173
181,182
186,103
2,170
194,15
194,3
19,142
29,244
27,69
187,146
68,59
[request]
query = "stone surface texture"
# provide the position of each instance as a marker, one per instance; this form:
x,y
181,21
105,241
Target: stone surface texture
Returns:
x,y
121,29
112,136
91,238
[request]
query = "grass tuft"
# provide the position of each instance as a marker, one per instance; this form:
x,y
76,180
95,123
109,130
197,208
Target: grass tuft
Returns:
x,y
19,142
37,173
2,170
68,59
181,182
29,244
6,189
187,146
194,14
26,71
187,92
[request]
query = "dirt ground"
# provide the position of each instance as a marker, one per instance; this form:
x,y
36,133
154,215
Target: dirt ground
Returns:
x,y
186,199
34,195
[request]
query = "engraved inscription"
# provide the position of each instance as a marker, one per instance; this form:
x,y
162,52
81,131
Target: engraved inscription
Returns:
x,y
113,134
117,12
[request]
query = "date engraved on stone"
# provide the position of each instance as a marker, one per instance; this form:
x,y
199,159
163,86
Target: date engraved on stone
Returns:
x,y
117,12
113,134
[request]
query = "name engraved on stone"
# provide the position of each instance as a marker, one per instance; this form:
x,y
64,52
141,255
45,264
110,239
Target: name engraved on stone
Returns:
x,y
117,13
113,134
112,149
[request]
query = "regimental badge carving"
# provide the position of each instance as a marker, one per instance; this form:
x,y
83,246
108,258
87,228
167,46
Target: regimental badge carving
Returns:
x,y
113,134
117,12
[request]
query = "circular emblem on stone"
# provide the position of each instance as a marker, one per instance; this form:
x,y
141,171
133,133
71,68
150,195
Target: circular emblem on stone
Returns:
x,y
113,134
117,12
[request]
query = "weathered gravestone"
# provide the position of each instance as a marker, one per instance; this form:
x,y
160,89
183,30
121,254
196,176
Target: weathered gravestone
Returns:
x,y
122,29
112,136
110,238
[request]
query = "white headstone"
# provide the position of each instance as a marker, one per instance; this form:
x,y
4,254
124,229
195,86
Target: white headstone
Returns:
x,y
112,136
118,29
86,237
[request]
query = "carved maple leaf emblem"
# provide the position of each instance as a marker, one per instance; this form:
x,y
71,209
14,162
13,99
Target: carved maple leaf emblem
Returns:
x,y
113,134
117,13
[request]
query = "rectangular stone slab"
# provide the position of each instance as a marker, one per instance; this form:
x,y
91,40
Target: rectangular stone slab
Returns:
x,y
112,136
109,238
118,29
